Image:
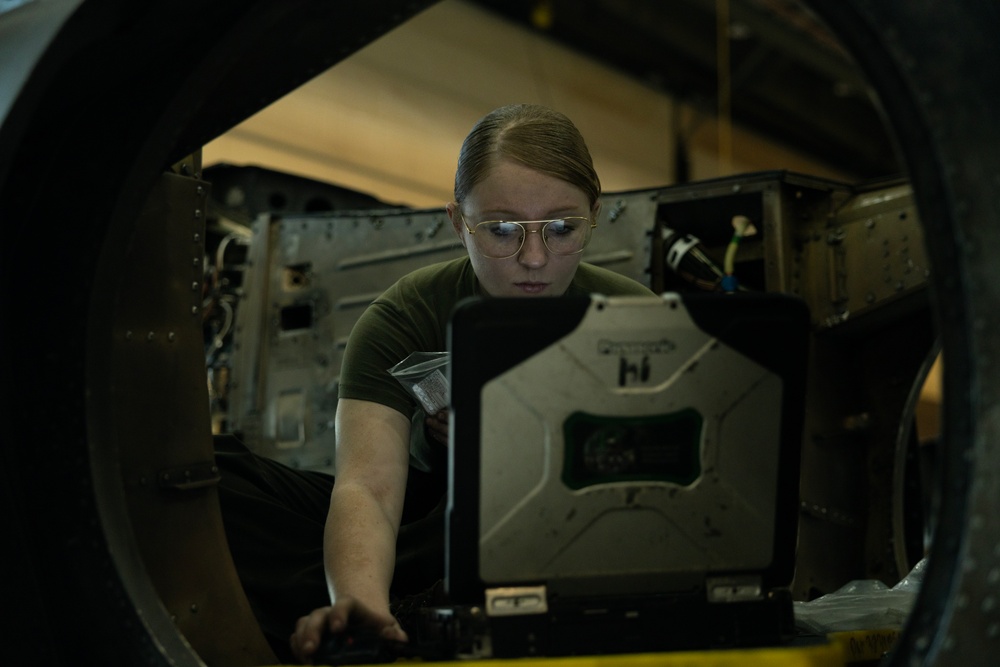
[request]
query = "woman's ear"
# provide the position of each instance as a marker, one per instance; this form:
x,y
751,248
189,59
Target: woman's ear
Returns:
x,y
455,215
595,210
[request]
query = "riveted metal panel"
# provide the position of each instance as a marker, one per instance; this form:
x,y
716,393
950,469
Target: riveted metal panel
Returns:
x,y
165,446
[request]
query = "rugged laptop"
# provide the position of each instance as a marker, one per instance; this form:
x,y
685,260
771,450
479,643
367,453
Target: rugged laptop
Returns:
x,y
624,472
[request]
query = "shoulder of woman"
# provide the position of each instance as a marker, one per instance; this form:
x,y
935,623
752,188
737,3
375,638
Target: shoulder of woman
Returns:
x,y
432,277
591,278
422,300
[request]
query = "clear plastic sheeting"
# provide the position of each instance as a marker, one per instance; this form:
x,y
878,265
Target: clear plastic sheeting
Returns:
x,y
424,375
864,604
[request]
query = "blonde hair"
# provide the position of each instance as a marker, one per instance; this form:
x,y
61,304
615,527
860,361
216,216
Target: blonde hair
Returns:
x,y
536,136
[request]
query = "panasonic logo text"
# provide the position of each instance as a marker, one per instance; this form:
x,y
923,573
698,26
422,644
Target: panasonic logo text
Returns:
x,y
631,347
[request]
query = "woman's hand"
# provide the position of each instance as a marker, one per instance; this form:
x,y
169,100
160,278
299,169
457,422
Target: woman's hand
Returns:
x,y
437,426
312,629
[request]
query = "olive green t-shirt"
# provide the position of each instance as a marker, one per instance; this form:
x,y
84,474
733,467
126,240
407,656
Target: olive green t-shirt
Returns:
x,y
412,316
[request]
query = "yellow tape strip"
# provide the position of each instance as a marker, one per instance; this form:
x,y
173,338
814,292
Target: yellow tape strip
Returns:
x,y
862,645
829,654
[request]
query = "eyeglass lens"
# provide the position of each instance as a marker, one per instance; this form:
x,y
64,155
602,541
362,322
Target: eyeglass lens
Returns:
x,y
565,236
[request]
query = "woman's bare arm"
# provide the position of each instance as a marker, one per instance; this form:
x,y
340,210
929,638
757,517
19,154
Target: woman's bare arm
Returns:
x,y
365,510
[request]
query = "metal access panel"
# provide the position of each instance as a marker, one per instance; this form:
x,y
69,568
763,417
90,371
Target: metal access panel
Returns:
x,y
309,278
776,202
849,251
868,262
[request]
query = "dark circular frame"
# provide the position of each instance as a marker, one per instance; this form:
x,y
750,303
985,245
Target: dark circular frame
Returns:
x,y
104,94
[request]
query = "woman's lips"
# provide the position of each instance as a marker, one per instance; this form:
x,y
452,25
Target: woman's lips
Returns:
x,y
532,288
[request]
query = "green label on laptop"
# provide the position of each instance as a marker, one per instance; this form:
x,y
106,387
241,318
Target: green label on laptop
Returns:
x,y
602,450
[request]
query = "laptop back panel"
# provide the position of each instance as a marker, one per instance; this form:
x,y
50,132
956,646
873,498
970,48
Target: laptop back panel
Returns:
x,y
624,448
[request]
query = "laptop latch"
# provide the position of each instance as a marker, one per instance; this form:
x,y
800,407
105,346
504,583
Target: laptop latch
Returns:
x,y
516,601
742,588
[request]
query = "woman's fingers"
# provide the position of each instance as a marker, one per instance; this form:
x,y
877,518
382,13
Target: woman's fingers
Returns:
x,y
310,629
437,426
308,632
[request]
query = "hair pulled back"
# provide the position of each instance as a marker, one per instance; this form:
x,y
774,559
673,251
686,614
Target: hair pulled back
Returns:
x,y
537,137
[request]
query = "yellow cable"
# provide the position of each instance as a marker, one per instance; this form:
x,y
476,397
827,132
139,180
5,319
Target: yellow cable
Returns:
x,y
740,224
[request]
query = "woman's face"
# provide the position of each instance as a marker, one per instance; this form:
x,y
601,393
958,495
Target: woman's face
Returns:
x,y
515,192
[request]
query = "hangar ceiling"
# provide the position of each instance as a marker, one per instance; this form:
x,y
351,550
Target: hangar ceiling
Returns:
x,y
789,79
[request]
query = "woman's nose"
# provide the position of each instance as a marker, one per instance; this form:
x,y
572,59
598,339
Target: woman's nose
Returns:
x,y
533,252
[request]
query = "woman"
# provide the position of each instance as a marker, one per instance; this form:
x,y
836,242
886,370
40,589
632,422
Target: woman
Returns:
x,y
526,201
